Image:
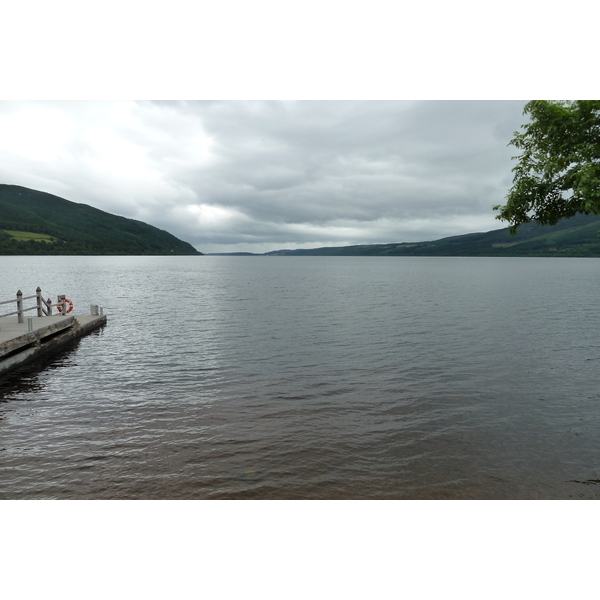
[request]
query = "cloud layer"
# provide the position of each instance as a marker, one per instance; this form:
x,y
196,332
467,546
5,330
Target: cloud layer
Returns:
x,y
259,176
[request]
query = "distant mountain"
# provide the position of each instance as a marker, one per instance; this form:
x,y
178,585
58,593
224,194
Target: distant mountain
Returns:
x,y
33,222
234,254
577,236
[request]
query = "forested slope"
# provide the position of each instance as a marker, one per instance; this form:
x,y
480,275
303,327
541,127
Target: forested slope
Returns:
x,y
577,236
75,228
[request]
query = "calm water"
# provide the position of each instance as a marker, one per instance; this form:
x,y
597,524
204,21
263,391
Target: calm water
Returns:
x,y
310,377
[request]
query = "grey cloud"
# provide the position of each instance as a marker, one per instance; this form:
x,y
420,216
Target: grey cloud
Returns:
x,y
261,175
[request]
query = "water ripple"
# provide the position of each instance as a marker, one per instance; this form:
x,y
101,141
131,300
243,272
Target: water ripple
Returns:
x,y
312,378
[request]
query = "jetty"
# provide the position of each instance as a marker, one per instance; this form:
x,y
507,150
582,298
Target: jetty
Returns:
x,y
26,338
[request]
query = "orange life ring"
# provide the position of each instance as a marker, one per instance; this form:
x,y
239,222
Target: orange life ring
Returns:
x,y
67,301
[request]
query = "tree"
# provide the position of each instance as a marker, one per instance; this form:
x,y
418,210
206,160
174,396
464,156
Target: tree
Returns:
x,y
558,173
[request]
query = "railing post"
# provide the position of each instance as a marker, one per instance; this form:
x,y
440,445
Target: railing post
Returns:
x,y
38,294
49,304
63,304
20,306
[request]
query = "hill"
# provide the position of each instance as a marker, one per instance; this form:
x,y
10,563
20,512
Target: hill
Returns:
x,y
577,236
33,222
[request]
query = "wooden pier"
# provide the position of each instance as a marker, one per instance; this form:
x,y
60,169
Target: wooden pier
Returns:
x,y
24,339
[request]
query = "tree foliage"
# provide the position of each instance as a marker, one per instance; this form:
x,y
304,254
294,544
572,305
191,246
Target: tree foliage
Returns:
x,y
558,172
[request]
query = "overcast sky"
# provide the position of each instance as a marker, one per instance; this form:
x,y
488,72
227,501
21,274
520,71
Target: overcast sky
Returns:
x,y
258,176
311,170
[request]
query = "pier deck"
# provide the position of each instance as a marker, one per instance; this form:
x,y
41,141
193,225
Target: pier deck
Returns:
x,y
18,345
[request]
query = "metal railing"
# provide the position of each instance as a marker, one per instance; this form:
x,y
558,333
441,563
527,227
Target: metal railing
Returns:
x,y
43,307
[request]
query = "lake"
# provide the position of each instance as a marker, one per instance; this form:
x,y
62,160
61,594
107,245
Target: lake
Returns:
x,y
310,378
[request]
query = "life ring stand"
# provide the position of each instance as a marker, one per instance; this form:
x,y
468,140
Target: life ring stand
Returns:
x,y
67,301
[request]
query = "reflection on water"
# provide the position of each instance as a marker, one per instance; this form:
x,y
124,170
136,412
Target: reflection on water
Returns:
x,y
339,377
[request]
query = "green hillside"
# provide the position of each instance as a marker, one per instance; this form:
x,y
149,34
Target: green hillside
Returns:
x,y
577,236
33,222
